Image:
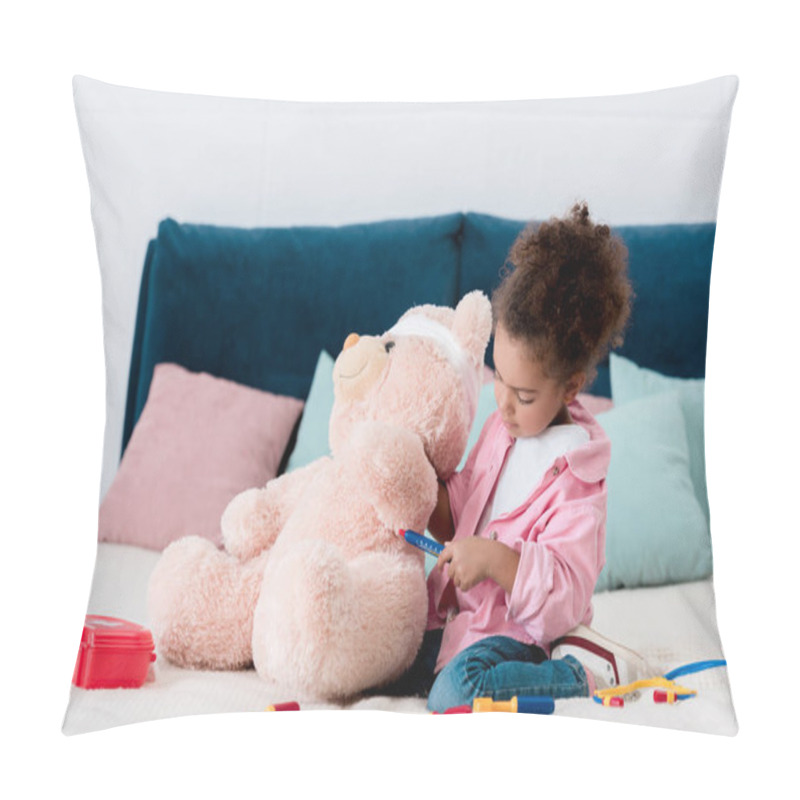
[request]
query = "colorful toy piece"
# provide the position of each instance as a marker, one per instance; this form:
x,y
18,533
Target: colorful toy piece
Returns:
x,y
456,710
666,690
290,706
114,653
668,696
695,666
615,701
609,697
534,704
422,542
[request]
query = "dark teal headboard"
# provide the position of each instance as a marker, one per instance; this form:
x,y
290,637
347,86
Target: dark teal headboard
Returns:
x,y
257,305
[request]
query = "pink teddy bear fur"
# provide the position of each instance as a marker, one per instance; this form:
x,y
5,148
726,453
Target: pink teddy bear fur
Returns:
x,y
313,586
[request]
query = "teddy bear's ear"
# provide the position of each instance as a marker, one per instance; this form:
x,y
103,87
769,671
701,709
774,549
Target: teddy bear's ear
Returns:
x,y
472,325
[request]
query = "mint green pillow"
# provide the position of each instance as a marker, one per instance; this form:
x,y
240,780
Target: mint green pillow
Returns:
x,y
656,531
312,435
487,405
630,382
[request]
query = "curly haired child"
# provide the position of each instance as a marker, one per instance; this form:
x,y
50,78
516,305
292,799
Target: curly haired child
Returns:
x,y
524,522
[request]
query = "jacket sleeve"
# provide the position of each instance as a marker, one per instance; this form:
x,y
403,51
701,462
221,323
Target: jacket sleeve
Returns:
x,y
557,572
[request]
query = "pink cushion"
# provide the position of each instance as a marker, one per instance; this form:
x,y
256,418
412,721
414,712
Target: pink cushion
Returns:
x,y
595,404
200,440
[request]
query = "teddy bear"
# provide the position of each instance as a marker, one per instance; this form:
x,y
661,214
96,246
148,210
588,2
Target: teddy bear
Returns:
x,y
313,586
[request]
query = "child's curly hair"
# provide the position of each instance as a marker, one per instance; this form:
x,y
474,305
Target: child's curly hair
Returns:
x,y
566,293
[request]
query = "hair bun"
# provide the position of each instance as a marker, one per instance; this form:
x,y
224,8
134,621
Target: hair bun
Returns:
x,y
565,291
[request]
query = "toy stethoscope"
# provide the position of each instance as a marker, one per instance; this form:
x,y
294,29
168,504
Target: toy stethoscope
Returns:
x,y
667,690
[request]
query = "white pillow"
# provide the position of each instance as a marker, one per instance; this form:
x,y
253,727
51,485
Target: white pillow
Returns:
x,y
257,162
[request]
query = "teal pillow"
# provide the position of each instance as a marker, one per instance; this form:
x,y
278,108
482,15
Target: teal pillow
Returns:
x,y
656,531
487,405
631,382
312,435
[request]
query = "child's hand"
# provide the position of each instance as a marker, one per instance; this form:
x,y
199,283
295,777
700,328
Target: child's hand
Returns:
x,y
472,560
466,561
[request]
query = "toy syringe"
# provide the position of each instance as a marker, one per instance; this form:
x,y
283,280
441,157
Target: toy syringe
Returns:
x,y
532,704
422,542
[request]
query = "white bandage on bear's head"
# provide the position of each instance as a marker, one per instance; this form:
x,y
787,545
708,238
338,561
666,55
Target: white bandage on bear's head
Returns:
x,y
421,325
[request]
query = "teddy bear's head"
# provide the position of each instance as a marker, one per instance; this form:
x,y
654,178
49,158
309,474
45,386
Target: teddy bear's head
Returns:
x,y
423,375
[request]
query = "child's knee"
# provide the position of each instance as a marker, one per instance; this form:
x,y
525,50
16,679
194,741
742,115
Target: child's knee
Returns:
x,y
446,694
458,684
464,678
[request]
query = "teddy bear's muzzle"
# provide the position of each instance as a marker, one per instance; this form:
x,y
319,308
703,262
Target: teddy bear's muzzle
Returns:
x,y
358,367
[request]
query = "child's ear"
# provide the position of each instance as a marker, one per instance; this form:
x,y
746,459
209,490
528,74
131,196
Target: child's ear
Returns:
x,y
574,385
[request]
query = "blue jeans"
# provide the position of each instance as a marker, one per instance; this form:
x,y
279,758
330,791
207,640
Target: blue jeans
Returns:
x,y
496,667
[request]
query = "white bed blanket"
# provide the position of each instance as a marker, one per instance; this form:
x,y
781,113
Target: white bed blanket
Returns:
x,y
670,626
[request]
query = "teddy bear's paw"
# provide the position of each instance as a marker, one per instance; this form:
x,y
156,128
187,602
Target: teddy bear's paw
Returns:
x,y
329,628
248,524
397,478
200,605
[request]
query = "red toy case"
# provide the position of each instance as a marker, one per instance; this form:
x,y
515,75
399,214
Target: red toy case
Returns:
x,y
114,653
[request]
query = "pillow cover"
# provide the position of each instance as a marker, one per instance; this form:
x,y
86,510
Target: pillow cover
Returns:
x,y
629,382
200,441
651,161
656,531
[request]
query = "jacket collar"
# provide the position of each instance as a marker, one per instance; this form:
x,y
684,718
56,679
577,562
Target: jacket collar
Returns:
x,y
589,462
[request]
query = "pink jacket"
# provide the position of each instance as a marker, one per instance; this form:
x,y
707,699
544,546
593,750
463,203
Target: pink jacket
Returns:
x,y
559,532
